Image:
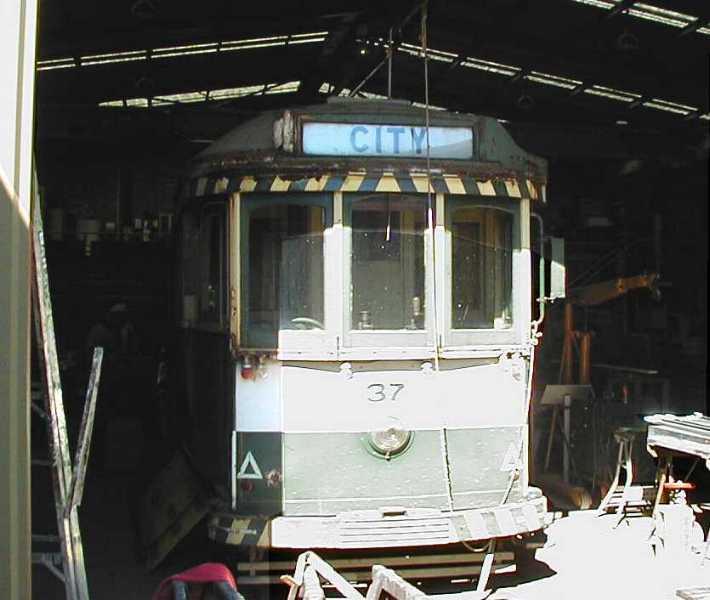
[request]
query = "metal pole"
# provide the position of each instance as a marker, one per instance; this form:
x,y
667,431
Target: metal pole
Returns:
x,y
390,54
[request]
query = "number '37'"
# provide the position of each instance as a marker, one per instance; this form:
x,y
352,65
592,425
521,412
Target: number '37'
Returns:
x,y
377,392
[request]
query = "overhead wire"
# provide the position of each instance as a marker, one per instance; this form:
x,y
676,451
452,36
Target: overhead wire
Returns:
x,y
430,204
443,438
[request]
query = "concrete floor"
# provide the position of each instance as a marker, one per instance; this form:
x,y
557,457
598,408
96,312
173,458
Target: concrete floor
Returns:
x,y
589,559
584,558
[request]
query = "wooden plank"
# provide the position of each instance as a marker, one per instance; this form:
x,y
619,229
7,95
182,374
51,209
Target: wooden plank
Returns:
x,y
311,585
386,580
401,561
332,576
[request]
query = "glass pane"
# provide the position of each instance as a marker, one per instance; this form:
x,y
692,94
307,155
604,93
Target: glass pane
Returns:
x,y
388,262
482,268
213,267
190,252
285,271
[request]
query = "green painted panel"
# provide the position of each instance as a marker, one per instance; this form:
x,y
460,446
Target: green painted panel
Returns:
x,y
259,473
480,465
326,473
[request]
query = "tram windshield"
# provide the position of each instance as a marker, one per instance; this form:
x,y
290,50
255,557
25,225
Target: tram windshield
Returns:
x,y
382,270
387,262
481,268
284,269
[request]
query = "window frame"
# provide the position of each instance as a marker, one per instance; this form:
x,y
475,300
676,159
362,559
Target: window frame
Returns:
x,y
290,343
381,343
456,339
216,205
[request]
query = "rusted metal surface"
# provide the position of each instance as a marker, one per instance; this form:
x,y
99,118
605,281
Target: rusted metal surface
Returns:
x,y
684,434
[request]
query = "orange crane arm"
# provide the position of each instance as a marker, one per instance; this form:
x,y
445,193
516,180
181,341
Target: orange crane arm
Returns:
x,y
598,293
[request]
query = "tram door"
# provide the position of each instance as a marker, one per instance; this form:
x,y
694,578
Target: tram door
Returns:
x,y
206,370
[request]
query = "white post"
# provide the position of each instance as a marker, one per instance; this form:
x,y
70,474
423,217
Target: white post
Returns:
x,y
18,23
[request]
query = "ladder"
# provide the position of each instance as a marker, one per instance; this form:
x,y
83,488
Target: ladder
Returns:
x,y
67,476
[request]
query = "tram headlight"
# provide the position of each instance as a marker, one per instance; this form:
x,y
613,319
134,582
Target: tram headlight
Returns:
x,y
391,440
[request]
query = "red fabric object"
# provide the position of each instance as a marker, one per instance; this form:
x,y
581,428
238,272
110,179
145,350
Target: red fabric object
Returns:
x,y
204,573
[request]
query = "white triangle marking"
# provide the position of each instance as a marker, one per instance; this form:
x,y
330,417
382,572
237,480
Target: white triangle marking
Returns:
x,y
249,463
511,461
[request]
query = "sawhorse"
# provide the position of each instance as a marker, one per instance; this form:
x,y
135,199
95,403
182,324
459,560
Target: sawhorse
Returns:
x,y
625,437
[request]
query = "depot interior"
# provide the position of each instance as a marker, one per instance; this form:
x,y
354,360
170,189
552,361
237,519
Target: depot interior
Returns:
x,y
614,93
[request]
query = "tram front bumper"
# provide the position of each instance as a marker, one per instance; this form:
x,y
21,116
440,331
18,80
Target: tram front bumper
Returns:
x,y
384,528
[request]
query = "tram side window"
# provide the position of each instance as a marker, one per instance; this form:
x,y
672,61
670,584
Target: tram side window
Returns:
x,y
482,268
204,265
388,263
213,267
190,262
285,271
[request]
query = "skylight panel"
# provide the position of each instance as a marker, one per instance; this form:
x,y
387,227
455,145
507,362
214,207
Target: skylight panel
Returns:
x,y
113,57
55,63
271,41
597,3
236,92
311,34
306,41
553,80
185,50
612,93
308,38
650,12
205,96
418,51
664,12
282,88
139,102
491,67
183,97
658,18
673,107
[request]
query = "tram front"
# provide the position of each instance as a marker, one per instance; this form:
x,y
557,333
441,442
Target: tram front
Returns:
x,y
375,294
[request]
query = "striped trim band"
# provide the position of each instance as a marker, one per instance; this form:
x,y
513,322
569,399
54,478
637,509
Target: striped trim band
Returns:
x,y
236,531
364,182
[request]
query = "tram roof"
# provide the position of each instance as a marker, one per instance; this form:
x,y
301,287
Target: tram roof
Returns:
x,y
495,150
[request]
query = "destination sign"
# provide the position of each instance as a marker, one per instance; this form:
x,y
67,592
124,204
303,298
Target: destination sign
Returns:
x,y
361,139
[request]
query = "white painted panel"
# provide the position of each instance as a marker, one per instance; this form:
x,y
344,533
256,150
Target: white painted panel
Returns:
x,y
259,400
316,399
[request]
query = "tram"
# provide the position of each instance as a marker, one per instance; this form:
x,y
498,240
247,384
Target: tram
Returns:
x,y
356,313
